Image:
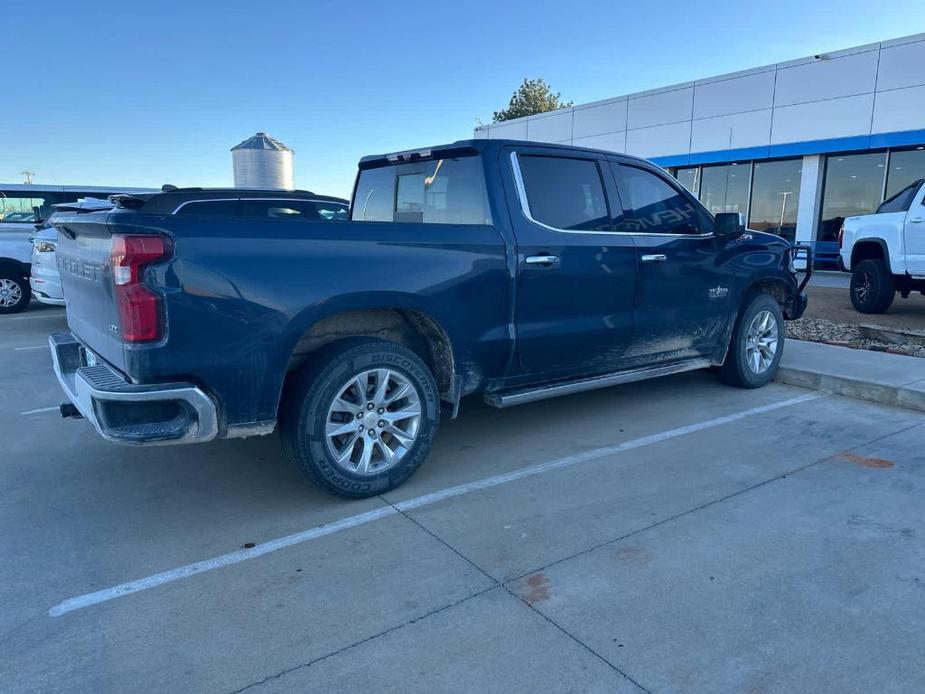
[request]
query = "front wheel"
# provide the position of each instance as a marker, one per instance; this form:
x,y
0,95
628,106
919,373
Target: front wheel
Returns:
x,y
872,288
362,418
14,292
757,344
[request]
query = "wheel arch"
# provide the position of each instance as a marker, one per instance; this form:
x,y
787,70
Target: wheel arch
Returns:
x,y
870,249
774,285
20,268
410,327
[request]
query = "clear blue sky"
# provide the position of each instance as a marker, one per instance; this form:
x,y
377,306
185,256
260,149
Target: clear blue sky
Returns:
x,y
140,94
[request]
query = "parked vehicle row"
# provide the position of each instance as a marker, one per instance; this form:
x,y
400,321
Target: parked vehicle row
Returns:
x,y
885,251
21,208
510,269
28,239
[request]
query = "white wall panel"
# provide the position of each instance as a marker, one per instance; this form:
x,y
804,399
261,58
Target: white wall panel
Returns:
x,y
603,118
752,129
902,66
515,130
551,128
480,134
900,109
660,108
614,142
821,120
826,79
748,93
660,140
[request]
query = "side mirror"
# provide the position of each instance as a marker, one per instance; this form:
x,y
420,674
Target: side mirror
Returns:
x,y
728,225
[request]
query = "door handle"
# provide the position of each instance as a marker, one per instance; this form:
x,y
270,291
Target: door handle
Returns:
x,y
917,220
542,260
654,258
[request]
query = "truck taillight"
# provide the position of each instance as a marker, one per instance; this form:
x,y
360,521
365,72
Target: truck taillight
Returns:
x,y
841,235
140,312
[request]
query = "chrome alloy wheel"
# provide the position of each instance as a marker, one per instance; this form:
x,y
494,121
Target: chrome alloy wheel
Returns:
x,y
10,293
761,342
373,421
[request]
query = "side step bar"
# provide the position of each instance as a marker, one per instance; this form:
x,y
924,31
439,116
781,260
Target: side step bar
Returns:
x,y
519,397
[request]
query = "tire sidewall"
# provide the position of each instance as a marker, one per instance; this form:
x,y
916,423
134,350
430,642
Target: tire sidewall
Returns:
x,y
329,382
746,376
24,287
881,287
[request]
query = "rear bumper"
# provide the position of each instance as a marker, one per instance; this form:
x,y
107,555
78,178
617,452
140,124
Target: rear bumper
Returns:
x,y
46,285
124,412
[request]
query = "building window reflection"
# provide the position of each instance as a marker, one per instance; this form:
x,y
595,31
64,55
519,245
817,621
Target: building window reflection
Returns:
x,y
724,188
854,184
689,177
776,197
904,168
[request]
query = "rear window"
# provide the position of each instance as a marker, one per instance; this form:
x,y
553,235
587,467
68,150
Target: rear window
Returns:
x,y
440,191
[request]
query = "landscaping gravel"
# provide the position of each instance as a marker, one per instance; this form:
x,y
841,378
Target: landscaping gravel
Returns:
x,y
835,333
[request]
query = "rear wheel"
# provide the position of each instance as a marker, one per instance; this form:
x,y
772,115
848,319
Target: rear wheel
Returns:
x,y
362,419
757,344
872,289
14,292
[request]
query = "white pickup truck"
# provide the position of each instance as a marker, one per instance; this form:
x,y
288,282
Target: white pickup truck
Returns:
x,y
885,251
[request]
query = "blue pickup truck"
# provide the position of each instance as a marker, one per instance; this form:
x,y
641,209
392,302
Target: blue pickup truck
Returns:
x,y
516,270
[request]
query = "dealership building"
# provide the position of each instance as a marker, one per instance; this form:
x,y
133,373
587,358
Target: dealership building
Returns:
x,y
795,147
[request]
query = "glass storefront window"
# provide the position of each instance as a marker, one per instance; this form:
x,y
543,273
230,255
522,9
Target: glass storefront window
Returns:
x,y
725,188
853,186
776,197
689,178
905,168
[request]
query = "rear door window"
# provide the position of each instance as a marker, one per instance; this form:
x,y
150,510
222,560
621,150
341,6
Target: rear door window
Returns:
x,y
437,191
330,211
657,207
209,208
901,201
565,193
283,210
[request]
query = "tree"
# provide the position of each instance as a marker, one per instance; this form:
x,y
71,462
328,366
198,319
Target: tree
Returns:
x,y
533,96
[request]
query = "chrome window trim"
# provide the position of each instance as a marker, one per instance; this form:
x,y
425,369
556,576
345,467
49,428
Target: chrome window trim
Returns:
x,y
525,208
313,200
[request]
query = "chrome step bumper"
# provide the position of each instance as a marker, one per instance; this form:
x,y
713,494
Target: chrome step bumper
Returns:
x,y
161,413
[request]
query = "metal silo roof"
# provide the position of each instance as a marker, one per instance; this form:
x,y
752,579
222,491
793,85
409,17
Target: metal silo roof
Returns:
x,y
262,141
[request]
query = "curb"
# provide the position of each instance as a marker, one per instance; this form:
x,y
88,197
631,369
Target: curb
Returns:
x,y
909,397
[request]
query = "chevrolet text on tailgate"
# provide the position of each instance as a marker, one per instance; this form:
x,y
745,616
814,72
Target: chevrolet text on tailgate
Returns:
x,y
516,270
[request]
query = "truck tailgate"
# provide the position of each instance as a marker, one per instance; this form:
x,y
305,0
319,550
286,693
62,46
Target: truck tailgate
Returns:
x,y
84,250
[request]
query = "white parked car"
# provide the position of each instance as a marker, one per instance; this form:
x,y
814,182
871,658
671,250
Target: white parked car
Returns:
x,y
44,278
885,251
21,207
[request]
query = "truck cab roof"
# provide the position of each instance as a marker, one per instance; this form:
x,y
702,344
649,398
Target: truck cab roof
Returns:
x,y
477,146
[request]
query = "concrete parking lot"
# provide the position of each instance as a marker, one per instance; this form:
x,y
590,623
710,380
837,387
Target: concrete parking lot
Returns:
x,y
670,536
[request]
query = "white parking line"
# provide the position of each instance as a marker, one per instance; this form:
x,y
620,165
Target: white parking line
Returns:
x,y
26,349
42,409
154,580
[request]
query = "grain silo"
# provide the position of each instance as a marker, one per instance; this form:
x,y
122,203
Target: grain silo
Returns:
x,y
262,162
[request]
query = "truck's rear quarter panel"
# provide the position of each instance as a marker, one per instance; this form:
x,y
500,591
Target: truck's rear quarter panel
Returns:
x,y
239,294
